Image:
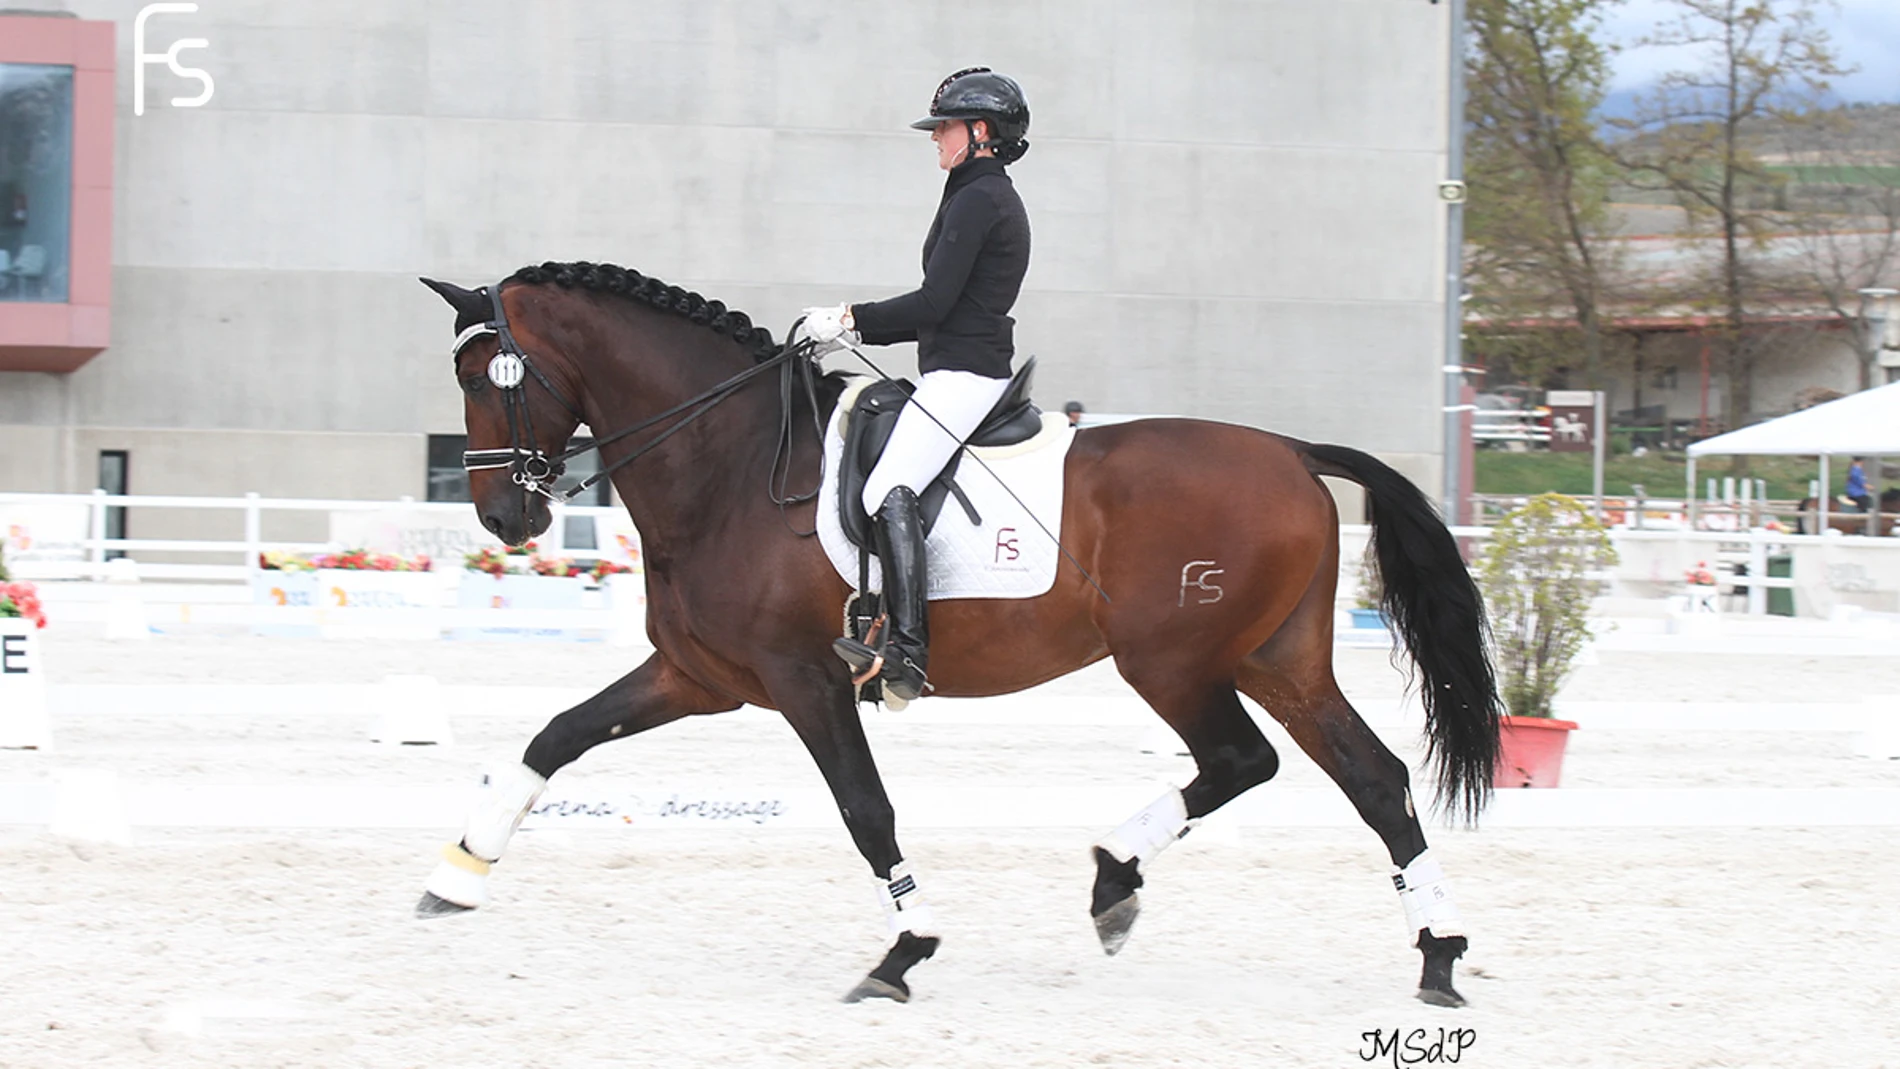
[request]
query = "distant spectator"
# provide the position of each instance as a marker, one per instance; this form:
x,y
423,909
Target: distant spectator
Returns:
x,y
1073,410
1857,487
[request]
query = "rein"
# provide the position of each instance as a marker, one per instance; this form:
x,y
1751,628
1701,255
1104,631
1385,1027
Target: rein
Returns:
x,y
535,471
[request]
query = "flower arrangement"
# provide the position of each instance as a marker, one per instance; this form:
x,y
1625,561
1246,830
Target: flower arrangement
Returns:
x,y
603,568
22,600
1700,575
508,560
350,560
492,561
554,567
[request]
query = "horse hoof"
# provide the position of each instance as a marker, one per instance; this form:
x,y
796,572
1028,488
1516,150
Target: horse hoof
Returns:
x,y
1432,996
1113,924
433,905
872,987
887,980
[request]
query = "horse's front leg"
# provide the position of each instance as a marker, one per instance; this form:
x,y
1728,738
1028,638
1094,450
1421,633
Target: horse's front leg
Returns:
x,y
820,706
653,694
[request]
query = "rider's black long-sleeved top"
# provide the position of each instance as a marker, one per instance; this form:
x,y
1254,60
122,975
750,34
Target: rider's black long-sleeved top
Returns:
x,y
975,258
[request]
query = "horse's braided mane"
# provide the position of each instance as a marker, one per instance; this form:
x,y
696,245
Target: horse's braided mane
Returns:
x,y
626,282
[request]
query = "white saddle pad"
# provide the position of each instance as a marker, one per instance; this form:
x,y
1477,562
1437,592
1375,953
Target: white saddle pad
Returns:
x,y
1008,555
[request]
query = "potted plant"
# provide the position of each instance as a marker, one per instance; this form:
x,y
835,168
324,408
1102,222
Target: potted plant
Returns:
x,y
1366,613
22,690
1701,589
1537,584
20,610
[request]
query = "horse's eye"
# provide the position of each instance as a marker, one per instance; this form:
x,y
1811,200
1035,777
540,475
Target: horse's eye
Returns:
x,y
472,385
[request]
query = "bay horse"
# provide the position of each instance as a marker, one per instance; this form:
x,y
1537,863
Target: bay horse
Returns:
x,y
741,610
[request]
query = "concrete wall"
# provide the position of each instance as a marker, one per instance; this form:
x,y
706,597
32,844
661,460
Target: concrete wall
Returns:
x,y
1233,205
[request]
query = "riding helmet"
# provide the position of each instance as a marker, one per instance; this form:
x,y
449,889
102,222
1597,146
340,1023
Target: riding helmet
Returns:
x,y
981,93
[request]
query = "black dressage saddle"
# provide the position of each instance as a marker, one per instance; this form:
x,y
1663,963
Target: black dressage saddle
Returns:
x,y
868,430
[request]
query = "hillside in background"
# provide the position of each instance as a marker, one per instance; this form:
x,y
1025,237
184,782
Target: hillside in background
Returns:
x,y
1820,161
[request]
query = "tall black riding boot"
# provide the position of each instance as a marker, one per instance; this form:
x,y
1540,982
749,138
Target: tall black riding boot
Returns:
x,y
900,546
903,649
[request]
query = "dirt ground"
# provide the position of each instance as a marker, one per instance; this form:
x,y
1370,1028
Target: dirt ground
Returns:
x,y
1658,947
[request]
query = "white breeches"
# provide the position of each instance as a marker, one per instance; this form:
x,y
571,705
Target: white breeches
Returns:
x,y
919,448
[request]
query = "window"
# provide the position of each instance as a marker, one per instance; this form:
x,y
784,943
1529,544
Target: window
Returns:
x,y
36,181
447,480
114,477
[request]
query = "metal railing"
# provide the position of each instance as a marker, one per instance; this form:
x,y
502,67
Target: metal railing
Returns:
x,y
1508,425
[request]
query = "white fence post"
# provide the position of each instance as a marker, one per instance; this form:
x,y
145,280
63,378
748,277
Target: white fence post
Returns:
x,y
1757,571
97,527
253,533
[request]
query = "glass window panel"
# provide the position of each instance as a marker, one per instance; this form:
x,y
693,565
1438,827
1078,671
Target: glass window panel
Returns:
x,y
447,480
36,181
114,465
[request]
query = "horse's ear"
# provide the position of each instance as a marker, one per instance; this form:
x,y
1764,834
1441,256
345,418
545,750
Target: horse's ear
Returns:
x,y
463,301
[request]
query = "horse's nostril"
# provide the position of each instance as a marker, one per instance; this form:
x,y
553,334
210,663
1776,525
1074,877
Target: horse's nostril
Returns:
x,y
493,524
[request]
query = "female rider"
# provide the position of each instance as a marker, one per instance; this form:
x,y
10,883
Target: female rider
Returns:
x,y
975,257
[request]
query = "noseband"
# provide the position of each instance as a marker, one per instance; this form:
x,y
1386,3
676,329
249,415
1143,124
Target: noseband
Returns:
x,y
535,471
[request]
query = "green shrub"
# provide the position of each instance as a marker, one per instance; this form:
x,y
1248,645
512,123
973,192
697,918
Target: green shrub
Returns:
x,y
1535,577
1371,590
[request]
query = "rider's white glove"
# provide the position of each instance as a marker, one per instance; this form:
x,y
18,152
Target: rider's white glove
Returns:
x,y
827,326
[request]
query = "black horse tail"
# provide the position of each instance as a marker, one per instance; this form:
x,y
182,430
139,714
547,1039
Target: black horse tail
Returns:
x,y
1436,608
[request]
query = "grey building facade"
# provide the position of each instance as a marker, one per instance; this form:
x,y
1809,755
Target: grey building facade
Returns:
x,y
1234,206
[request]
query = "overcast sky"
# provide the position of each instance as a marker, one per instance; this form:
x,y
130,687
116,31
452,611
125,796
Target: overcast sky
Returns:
x,y
1866,34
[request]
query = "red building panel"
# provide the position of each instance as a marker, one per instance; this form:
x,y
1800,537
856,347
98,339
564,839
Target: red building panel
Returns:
x,y
61,337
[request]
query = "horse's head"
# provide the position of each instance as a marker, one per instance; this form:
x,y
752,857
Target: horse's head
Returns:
x,y
517,423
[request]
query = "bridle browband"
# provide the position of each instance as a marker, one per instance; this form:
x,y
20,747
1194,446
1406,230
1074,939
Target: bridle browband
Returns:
x,y
535,471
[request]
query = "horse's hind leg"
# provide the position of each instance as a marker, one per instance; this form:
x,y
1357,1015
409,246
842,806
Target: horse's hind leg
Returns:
x,y
1231,755
653,694
1306,699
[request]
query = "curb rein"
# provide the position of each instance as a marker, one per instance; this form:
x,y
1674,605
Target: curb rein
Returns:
x,y
535,471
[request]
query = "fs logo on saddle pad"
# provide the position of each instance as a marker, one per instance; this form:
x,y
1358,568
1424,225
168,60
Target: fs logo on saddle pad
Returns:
x,y
1005,556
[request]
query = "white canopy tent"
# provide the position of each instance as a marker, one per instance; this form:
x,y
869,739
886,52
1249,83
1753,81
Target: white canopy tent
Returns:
x,y
1861,424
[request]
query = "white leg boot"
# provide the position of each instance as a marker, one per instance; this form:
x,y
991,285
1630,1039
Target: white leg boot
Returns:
x,y
460,880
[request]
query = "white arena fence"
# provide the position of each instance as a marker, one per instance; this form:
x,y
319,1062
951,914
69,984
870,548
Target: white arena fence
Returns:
x,y
60,541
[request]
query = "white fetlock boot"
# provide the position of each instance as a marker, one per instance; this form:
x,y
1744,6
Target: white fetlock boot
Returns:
x,y
460,879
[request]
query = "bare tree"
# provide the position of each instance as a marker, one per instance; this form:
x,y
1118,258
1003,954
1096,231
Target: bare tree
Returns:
x,y
1538,171
1846,219
1762,59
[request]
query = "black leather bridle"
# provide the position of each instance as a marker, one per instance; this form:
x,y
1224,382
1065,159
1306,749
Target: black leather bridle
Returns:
x,y
535,471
